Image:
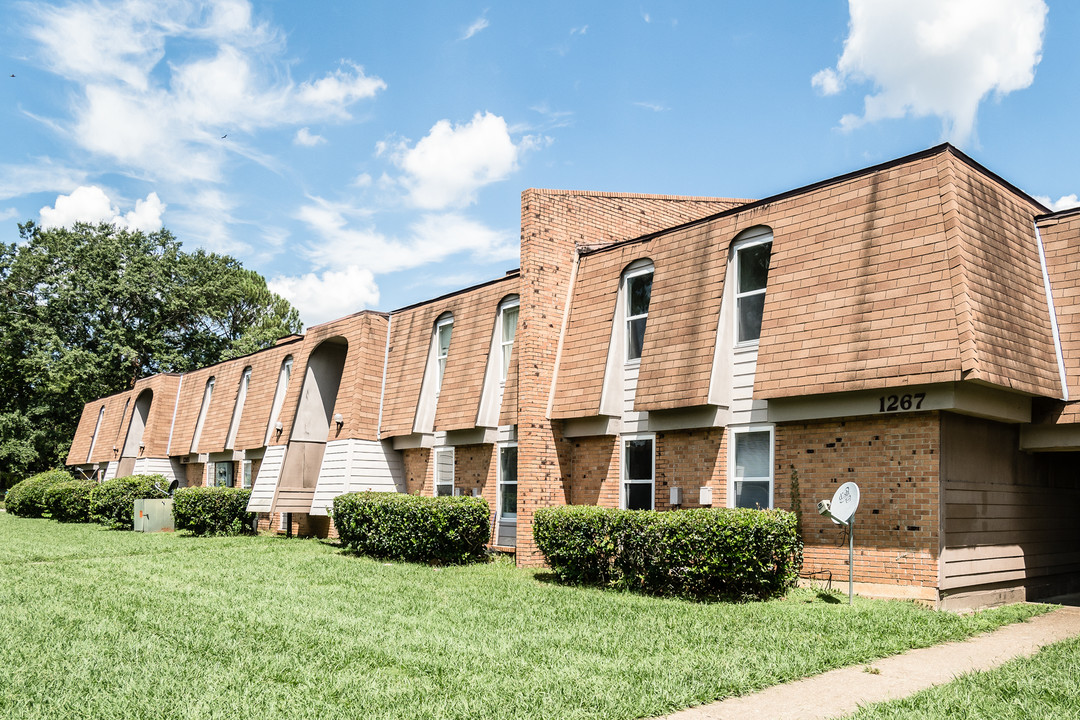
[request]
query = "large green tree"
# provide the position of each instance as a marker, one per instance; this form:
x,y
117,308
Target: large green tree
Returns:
x,y
88,310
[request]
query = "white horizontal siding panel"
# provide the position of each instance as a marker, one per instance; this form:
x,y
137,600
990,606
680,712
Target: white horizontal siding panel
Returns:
x,y
158,466
110,470
357,466
262,491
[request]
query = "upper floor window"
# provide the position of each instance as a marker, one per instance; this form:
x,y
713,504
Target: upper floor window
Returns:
x,y
93,438
208,392
508,316
638,290
279,397
751,274
444,328
238,407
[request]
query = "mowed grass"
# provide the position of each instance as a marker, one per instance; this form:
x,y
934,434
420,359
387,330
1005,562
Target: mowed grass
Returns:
x,y
106,624
1045,686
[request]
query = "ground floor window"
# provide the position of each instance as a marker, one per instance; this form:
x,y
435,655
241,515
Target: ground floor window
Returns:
x,y
508,481
751,467
247,473
638,471
223,474
444,471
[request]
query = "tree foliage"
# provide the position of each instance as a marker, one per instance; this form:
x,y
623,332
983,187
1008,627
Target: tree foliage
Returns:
x,y
88,310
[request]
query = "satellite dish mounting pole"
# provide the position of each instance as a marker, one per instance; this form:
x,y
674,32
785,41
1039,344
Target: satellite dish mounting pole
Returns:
x,y
851,561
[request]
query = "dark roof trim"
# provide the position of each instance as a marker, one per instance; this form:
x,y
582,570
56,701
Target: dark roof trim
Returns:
x,y
1058,214
511,274
921,155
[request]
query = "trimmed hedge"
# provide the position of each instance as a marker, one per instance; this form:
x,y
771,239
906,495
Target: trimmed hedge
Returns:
x,y
212,510
112,503
443,530
27,498
70,501
701,553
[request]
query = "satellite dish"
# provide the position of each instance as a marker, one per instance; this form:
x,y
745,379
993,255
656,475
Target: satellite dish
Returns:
x,y
845,501
172,487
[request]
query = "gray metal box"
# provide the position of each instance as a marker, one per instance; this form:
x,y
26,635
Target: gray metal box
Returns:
x,y
153,515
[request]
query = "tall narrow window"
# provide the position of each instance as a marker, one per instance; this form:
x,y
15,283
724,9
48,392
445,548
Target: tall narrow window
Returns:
x,y
208,392
444,471
508,482
638,292
238,407
508,323
93,438
752,467
247,474
751,274
279,397
443,330
638,467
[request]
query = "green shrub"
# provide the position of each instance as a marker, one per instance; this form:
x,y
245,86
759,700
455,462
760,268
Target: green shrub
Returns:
x,y
212,510
27,499
701,553
112,503
70,501
440,530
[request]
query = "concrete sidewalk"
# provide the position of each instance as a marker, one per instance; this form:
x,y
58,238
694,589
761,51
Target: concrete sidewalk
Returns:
x,y
840,692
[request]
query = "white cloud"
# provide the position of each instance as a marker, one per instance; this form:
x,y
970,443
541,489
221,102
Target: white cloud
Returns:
x,y
646,17
448,166
42,176
166,119
90,204
655,107
1065,202
8,214
328,295
308,139
579,30
431,239
936,57
479,24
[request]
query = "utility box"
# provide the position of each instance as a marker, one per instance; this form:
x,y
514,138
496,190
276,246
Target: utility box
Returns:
x,y
675,496
705,496
153,515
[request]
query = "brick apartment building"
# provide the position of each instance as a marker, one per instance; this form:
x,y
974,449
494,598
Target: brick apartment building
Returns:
x,y
913,327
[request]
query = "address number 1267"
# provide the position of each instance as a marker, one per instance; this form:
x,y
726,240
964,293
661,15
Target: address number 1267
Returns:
x,y
892,403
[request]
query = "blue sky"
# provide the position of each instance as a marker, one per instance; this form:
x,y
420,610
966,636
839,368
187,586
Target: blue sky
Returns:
x,y
371,155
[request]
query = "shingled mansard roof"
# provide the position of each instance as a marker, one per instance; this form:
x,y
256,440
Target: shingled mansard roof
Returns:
x,y
925,269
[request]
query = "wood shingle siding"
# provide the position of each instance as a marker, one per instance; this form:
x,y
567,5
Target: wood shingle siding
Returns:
x,y
1061,238
474,311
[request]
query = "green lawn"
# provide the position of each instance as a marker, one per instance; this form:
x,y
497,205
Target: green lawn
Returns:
x,y
1045,686
105,624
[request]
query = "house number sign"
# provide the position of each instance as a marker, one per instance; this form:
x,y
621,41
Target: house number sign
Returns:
x,y
897,403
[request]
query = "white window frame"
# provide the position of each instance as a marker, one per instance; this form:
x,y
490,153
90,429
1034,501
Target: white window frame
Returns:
x,y
247,474
645,269
208,394
761,237
283,522
238,407
732,449
231,480
435,471
440,358
284,376
501,482
97,429
507,348
624,467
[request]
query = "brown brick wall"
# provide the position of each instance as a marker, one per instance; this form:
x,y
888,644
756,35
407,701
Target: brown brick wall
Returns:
x,y
551,223
895,460
419,472
691,459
